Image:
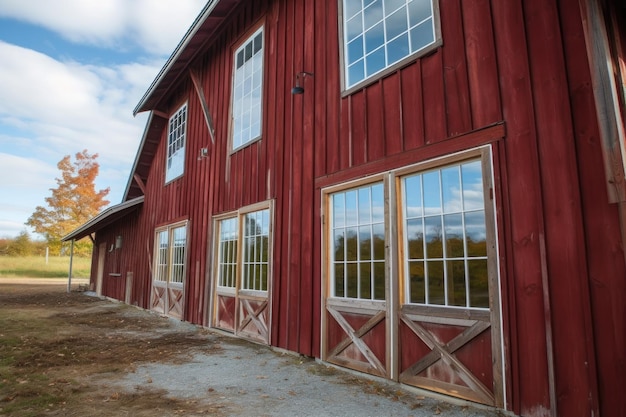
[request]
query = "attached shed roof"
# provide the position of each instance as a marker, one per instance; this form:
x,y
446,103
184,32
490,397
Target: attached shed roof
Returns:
x,y
199,34
105,218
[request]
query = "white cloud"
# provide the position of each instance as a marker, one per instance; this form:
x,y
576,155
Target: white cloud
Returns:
x,y
154,25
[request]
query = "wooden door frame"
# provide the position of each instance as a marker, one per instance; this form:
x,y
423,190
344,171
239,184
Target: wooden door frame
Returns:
x,y
264,297
394,277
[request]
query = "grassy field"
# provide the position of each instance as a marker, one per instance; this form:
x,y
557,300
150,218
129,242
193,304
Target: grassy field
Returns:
x,y
36,267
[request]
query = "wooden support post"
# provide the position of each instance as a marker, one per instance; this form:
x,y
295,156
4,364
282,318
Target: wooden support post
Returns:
x,y
69,276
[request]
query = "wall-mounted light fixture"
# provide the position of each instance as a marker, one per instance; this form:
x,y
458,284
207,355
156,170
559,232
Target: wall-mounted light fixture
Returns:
x,y
118,242
204,153
298,89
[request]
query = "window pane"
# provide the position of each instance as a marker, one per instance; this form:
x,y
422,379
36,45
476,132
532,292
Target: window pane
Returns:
x,y
378,203
413,196
479,283
390,30
417,291
365,274
434,246
453,227
365,243
379,280
175,163
472,186
352,244
422,35
451,190
340,245
415,239
476,233
397,23
435,283
247,87
456,283
352,280
432,189
339,280
379,241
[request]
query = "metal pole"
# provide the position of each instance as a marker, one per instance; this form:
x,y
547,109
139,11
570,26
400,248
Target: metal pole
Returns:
x,y
47,251
69,277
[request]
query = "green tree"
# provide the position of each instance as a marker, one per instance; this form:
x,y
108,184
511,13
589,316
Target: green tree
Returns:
x,y
73,202
21,245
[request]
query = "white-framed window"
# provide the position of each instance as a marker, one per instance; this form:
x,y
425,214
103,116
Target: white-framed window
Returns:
x,y
170,253
244,249
227,252
380,33
445,236
247,90
358,243
176,138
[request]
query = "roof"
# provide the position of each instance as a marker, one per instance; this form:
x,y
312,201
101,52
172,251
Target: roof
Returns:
x,y
105,218
199,34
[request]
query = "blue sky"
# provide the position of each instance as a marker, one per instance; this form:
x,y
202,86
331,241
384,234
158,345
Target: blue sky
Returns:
x,y
71,73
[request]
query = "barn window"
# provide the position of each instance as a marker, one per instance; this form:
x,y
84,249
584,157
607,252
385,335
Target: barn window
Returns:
x,y
251,266
227,252
175,164
445,236
377,34
358,244
171,244
247,91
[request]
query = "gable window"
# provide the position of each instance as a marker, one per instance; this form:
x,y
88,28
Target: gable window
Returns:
x,y
175,164
247,89
380,33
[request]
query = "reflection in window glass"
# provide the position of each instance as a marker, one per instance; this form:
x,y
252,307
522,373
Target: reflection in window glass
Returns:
x,y
379,33
446,237
255,246
171,244
227,252
358,246
247,87
175,164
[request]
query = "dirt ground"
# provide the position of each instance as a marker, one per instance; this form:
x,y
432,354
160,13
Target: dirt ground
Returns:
x,y
72,354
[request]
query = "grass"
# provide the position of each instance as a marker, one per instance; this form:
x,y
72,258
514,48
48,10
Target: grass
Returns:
x,y
36,266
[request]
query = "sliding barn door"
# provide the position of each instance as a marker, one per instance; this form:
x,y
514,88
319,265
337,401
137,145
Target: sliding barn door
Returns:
x,y
169,271
242,269
412,288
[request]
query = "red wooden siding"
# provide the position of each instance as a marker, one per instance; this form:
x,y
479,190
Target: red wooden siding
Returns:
x,y
513,74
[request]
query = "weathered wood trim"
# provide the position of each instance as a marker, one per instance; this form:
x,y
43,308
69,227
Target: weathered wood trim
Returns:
x,y
195,79
456,144
354,337
140,183
442,351
610,120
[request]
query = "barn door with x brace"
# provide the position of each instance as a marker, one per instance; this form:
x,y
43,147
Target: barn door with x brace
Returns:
x,y
242,272
412,291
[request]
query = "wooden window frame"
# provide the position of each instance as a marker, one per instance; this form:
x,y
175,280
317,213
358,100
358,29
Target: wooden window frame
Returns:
x,y
389,68
486,184
247,38
170,142
240,215
359,261
168,267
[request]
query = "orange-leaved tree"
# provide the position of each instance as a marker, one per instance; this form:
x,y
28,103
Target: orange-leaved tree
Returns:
x,y
73,202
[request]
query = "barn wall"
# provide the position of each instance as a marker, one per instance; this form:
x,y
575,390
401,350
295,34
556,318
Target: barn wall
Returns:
x,y
512,74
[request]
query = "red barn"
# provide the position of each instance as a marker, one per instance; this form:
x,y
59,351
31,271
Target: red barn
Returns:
x,y
429,191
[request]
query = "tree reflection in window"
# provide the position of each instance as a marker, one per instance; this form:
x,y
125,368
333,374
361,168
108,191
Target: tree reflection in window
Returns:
x,y
358,246
445,237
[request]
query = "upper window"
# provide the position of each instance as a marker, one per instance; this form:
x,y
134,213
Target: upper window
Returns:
x,y
380,33
247,88
175,164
